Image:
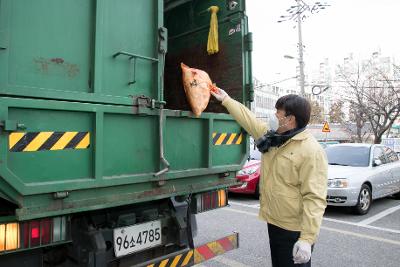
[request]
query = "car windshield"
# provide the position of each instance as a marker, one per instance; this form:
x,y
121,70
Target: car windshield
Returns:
x,y
348,155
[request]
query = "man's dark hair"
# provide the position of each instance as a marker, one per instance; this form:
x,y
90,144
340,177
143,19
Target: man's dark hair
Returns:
x,y
297,106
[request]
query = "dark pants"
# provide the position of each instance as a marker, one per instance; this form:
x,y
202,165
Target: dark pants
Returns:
x,y
281,242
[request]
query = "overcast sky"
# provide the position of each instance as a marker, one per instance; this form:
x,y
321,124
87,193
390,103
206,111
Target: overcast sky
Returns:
x,y
360,27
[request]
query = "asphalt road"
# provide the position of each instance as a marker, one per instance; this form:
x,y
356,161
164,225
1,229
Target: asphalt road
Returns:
x,y
345,239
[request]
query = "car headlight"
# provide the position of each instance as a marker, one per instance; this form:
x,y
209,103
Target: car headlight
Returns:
x,y
338,183
248,171
244,185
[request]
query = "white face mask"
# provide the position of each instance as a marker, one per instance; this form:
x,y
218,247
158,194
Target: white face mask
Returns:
x,y
273,122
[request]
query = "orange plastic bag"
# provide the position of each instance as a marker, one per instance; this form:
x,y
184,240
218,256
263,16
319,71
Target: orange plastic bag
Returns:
x,y
197,85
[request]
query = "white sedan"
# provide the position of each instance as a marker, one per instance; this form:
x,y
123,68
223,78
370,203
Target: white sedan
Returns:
x,y
360,173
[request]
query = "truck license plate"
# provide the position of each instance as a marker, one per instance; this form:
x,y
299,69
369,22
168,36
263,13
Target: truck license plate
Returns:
x,y
136,237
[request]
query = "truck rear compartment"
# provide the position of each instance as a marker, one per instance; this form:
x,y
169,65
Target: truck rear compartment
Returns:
x,y
59,142
81,113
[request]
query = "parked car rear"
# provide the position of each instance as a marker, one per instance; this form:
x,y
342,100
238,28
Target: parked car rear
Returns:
x,y
249,175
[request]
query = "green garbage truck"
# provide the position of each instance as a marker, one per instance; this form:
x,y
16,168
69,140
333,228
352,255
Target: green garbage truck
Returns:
x,y
102,163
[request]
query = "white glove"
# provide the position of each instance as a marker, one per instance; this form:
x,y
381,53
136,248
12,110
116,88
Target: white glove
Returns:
x,y
220,96
301,252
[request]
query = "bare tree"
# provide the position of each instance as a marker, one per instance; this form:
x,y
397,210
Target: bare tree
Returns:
x,y
373,96
336,114
358,119
316,113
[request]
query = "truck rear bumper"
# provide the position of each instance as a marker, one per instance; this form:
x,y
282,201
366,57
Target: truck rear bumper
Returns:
x,y
190,257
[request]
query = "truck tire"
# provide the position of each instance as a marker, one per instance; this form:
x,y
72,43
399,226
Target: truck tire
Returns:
x,y
364,200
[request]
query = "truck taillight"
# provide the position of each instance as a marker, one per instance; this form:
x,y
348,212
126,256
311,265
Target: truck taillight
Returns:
x,y
31,234
60,228
211,200
9,236
44,231
34,233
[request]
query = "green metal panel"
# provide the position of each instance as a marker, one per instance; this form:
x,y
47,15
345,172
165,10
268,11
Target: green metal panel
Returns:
x,y
123,153
227,154
119,165
4,33
186,143
130,144
48,166
130,26
64,49
37,206
59,34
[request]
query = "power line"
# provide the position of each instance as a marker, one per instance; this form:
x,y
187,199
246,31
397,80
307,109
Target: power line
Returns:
x,y
298,13
276,82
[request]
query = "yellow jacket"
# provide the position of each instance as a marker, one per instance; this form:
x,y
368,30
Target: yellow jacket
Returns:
x,y
293,182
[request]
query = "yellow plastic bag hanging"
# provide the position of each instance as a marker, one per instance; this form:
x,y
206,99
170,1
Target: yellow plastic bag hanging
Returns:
x,y
212,44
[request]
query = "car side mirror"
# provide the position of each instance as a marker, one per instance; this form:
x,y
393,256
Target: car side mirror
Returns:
x,y
376,162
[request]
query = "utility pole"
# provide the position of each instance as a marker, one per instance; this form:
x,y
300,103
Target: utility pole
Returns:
x,y
301,61
298,13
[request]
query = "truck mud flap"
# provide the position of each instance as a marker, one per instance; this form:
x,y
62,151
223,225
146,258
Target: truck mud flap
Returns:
x,y
190,257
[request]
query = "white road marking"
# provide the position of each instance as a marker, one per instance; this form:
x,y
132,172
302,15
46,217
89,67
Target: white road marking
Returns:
x,y
379,215
364,226
363,223
393,242
329,220
229,262
389,241
241,211
253,206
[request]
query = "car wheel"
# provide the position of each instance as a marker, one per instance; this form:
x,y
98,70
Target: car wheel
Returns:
x,y
257,191
364,200
397,195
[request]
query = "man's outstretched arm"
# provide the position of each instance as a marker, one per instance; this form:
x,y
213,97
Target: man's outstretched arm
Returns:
x,y
255,127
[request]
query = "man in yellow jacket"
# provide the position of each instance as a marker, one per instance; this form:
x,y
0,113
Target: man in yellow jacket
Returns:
x,y
293,182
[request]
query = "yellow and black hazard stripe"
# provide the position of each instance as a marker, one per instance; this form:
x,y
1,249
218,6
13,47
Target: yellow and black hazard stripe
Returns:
x,y
199,254
184,259
216,248
227,138
42,141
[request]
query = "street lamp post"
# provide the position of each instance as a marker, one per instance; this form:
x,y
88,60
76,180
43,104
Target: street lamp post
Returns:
x,y
298,13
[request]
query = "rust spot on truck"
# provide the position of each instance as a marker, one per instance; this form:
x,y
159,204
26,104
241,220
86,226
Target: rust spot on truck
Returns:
x,y
57,60
72,70
42,64
56,66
